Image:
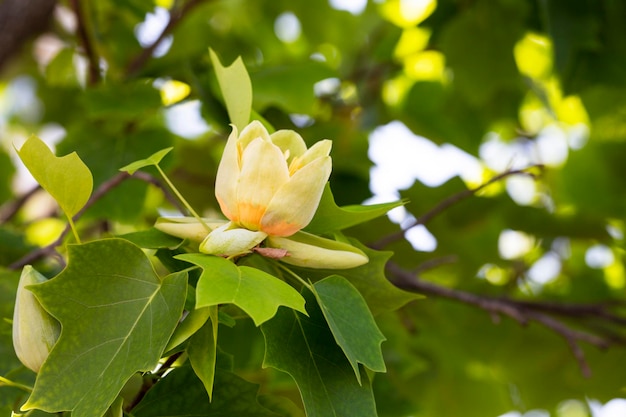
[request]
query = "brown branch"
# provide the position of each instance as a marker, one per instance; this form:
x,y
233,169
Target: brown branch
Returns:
x,y
176,15
20,20
447,203
10,209
521,311
101,191
83,36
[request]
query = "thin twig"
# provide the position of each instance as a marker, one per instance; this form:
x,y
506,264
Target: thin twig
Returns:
x,y
101,191
447,203
144,176
92,58
176,15
10,209
521,311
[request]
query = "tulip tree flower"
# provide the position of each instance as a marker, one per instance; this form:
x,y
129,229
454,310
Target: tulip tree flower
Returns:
x,y
269,187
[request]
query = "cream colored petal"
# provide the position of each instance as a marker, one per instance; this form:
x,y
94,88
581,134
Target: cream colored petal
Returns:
x,y
254,130
228,240
295,203
319,150
288,140
187,227
307,250
227,176
263,173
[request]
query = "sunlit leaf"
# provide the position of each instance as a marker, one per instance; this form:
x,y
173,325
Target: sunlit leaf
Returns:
x,y
66,178
351,323
236,88
116,316
153,159
256,292
304,348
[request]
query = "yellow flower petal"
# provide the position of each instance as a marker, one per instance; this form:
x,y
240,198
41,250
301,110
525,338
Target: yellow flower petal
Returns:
x,y
319,150
307,250
288,140
253,131
228,240
263,173
227,176
295,203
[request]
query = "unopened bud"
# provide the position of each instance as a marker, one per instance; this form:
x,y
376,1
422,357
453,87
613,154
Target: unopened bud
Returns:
x,y
34,330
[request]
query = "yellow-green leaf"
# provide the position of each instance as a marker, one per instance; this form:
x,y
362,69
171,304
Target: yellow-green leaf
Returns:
x,y
66,178
236,87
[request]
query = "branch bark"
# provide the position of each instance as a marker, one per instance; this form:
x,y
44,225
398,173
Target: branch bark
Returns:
x,y
20,20
525,312
449,202
102,190
176,15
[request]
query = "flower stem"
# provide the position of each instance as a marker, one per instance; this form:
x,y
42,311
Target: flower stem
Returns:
x,y
296,276
7,382
182,199
73,227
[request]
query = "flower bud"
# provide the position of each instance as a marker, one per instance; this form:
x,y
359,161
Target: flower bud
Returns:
x,y
34,330
305,249
230,240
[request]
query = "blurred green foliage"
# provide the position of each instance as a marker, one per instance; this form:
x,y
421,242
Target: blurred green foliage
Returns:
x,y
456,72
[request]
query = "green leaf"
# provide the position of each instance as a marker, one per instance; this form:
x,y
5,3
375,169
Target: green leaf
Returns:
x,y
290,87
236,88
116,316
202,351
152,239
190,325
351,323
153,159
257,293
66,178
370,280
180,394
304,348
330,217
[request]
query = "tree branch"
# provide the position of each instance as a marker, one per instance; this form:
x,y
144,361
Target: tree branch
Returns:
x,y
92,58
447,203
523,312
103,189
176,15
10,209
20,20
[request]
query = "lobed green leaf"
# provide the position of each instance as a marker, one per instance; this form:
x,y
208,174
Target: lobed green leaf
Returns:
x,y
304,347
330,218
351,323
257,293
116,316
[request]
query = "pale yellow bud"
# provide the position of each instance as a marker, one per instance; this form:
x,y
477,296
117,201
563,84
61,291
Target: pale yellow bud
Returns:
x,y
305,249
34,330
229,240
